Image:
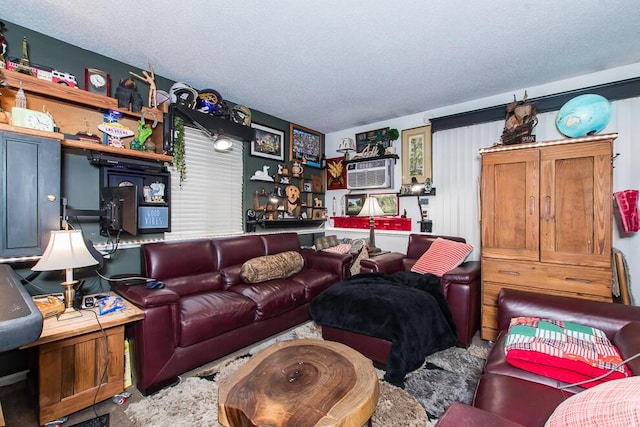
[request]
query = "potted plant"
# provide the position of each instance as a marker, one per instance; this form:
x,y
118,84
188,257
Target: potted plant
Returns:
x,y
392,135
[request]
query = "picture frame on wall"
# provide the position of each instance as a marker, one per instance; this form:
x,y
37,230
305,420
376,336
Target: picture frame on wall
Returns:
x,y
267,142
305,145
336,174
388,202
416,154
354,203
377,136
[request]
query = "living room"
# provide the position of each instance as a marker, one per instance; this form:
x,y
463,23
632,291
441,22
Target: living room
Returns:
x,y
456,171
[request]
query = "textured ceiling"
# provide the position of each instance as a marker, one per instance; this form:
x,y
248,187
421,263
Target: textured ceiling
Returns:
x,y
335,64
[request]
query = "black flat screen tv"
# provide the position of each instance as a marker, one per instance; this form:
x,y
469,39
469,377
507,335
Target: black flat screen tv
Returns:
x,y
120,210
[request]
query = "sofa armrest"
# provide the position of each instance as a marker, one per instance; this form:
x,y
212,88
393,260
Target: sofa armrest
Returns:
x,y
606,316
460,415
332,262
385,263
466,272
145,298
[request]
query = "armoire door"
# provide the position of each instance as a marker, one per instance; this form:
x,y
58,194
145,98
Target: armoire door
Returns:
x,y
576,204
509,193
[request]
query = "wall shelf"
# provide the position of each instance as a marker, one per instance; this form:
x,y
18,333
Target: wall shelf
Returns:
x,y
74,110
366,159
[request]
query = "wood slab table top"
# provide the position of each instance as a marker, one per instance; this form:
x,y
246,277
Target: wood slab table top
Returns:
x,y
304,382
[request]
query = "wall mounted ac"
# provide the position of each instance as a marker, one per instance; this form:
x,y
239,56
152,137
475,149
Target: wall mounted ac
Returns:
x,y
376,173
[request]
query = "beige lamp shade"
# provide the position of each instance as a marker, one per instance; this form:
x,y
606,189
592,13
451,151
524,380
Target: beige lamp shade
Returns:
x,y
66,250
347,144
371,207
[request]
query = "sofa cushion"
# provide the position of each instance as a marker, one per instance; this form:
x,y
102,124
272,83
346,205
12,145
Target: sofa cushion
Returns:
x,y
562,350
269,267
341,248
273,297
614,404
443,255
208,315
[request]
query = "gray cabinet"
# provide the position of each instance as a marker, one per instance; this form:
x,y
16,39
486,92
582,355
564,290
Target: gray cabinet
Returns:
x,y
29,193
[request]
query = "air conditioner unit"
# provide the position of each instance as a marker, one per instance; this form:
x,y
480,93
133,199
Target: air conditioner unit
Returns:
x,y
370,174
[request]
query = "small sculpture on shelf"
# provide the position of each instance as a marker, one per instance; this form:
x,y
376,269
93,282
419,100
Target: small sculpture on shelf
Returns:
x,y
128,96
149,77
520,121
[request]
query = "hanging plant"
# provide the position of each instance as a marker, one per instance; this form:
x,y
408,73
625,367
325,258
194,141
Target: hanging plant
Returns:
x,y
178,149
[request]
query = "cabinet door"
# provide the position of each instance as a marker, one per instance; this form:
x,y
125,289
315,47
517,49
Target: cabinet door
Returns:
x,y
576,204
509,192
29,193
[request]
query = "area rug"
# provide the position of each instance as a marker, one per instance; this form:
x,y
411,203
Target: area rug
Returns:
x,y
193,402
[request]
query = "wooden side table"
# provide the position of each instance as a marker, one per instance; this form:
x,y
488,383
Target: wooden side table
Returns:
x,y
72,355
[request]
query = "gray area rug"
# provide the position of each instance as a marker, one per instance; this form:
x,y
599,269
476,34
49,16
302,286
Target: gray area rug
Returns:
x,y
193,402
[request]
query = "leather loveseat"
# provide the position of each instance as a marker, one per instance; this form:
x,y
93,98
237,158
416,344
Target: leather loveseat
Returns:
x,y
509,396
206,310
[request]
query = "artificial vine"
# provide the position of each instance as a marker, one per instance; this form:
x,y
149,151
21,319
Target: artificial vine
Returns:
x,y
178,149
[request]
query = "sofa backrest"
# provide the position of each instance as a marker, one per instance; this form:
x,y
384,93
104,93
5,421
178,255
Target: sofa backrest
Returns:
x,y
419,243
283,242
186,267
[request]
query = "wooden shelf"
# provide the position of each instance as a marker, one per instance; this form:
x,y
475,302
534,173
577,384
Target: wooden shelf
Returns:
x,y
72,109
85,145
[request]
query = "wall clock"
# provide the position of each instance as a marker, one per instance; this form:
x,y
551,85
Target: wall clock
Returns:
x,y
31,119
97,81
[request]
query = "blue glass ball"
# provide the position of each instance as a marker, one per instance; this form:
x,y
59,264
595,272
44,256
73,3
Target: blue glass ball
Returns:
x,y
584,115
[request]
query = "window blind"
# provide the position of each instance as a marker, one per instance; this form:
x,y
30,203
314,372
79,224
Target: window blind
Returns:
x,y
209,202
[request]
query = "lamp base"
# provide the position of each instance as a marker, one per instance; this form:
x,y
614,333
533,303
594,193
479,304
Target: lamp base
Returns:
x,y
69,294
71,313
373,250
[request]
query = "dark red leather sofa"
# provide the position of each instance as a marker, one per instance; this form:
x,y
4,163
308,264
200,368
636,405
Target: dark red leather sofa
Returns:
x,y
206,311
509,396
461,287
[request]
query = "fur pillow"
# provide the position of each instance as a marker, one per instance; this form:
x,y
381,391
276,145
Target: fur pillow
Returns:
x,y
269,267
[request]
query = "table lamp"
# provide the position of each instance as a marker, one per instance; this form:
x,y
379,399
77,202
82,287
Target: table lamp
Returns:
x,y
345,146
66,250
371,208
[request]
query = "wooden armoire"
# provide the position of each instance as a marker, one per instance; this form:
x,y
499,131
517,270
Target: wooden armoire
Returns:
x,y
546,220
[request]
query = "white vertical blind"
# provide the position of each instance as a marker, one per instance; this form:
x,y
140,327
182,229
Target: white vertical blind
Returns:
x,y
209,202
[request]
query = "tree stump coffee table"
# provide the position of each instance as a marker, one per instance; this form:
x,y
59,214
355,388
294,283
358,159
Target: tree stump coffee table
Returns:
x,y
303,382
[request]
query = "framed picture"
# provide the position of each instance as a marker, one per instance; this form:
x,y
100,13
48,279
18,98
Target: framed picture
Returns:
x,y
354,203
388,202
318,213
306,145
336,174
378,136
416,154
307,187
267,142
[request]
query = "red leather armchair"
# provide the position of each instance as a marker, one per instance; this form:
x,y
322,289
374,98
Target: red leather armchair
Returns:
x,y
461,285
505,394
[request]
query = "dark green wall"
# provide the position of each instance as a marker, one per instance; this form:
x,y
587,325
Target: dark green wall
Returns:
x,y
80,179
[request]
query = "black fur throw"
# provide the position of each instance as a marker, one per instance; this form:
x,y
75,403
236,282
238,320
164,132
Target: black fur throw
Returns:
x,y
405,308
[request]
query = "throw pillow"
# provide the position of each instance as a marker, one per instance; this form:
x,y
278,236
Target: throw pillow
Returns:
x,y
269,267
443,255
325,242
355,264
613,404
565,351
341,248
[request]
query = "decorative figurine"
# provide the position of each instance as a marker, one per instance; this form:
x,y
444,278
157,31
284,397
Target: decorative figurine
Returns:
x,y
520,121
142,141
149,77
128,96
3,45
